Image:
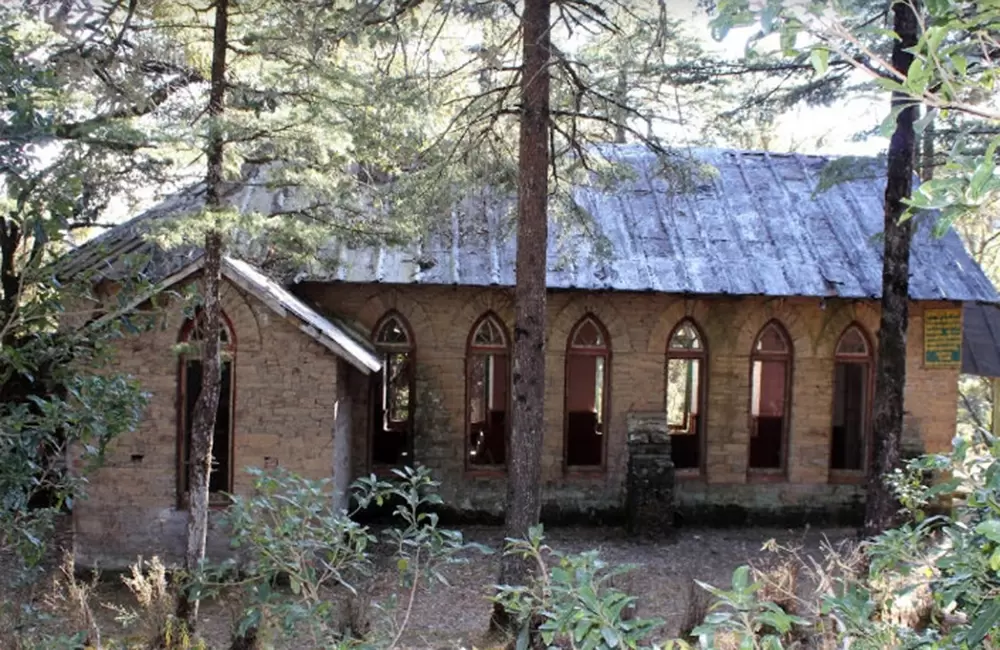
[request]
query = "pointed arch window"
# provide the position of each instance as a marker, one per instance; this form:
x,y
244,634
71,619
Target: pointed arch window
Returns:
x,y
771,367
851,406
487,388
588,357
685,394
393,393
220,478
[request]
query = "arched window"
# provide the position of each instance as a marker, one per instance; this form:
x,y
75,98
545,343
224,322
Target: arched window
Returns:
x,y
486,386
220,479
393,392
851,382
686,362
587,370
771,366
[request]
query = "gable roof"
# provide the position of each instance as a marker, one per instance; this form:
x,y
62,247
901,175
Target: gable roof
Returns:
x,y
336,337
751,223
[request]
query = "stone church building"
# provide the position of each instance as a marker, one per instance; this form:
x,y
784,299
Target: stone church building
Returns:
x,y
740,307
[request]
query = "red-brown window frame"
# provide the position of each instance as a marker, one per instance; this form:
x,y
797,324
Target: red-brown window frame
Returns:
x,y
605,406
788,356
227,349
382,348
471,349
702,356
855,475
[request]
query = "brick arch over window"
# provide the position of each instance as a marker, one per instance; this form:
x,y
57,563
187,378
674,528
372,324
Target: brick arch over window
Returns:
x,y
842,315
487,391
679,309
756,317
189,371
566,319
854,362
390,300
393,393
495,301
588,373
685,399
771,359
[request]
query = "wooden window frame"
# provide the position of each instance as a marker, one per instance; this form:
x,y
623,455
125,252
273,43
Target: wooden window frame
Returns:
x,y
853,476
471,349
605,352
226,349
770,474
382,348
702,356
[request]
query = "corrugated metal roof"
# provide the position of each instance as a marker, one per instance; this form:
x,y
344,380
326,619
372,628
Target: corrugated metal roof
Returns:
x,y
743,223
981,339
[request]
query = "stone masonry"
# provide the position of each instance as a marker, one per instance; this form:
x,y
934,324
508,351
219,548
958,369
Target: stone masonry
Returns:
x,y
649,496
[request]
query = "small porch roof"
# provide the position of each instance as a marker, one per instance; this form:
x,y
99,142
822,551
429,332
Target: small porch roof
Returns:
x,y
335,336
981,339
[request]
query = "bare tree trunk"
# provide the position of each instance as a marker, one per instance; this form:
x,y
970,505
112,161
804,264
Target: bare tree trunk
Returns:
x,y
890,369
207,406
527,423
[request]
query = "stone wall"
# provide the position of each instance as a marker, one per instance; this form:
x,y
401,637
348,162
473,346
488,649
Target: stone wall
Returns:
x,y
638,326
286,387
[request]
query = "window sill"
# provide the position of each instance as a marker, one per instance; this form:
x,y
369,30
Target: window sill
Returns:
x,y
847,476
585,472
689,474
214,504
486,472
766,476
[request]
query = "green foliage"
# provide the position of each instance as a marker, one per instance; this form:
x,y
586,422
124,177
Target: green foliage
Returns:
x,y
934,583
571,601
953,75
288,530
742,619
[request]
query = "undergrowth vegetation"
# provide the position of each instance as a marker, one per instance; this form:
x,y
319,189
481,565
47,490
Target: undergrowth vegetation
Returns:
x,y
302,576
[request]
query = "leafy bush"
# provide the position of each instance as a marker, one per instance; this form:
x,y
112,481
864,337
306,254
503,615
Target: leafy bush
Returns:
x,y
571,601
288,530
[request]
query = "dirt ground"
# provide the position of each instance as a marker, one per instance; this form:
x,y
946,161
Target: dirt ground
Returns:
x,y
456,616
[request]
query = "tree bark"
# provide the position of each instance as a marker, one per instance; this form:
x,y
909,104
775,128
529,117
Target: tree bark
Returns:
x,y
527,422
207,405
890,369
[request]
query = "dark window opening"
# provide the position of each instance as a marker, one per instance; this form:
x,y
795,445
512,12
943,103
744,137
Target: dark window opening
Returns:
x,y
770,369
685,393
220,478
850,401
586,394
392,398
487,388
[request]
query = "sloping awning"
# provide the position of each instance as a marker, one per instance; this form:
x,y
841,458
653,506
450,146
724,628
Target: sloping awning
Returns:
x,y
333,336
981,339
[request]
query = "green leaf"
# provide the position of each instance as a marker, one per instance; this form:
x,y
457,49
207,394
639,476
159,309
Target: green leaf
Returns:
x,y
983,622
610,637
990,529
820,60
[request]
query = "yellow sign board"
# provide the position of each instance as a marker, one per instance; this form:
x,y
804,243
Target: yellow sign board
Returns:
x,y
942,338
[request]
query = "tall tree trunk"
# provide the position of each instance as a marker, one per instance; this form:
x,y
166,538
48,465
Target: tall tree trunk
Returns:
x,y
10,280
207,406
890,369
527,422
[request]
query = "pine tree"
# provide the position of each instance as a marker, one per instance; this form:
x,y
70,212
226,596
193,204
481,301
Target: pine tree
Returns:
x,y
528,421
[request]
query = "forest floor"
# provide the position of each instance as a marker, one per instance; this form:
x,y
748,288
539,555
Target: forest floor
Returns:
x,y
456,616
